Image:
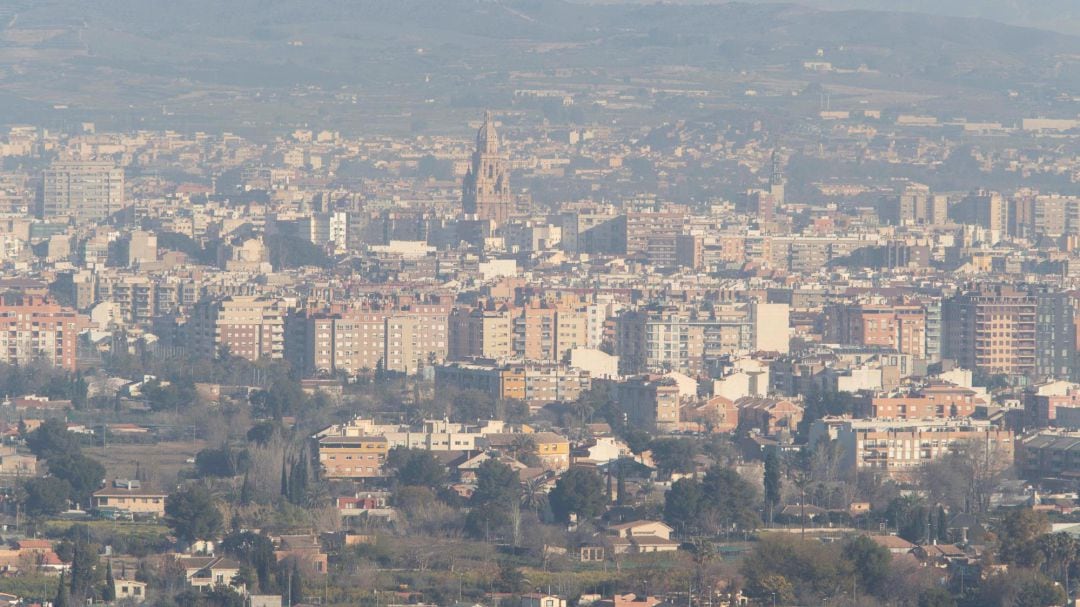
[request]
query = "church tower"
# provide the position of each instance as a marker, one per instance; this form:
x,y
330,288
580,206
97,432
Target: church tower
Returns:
x,y
486,189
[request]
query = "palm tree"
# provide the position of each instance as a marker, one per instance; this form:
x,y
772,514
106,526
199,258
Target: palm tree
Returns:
x,y
1062,549
523,448
533,495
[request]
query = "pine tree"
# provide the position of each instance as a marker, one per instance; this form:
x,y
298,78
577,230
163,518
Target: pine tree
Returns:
x,y
109,593
63,598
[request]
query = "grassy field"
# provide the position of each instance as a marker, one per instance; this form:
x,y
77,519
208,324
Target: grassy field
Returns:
x,y
160,462
115,527
30,586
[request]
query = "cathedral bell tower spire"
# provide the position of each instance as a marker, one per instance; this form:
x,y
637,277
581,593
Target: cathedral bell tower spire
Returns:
x,y
486,188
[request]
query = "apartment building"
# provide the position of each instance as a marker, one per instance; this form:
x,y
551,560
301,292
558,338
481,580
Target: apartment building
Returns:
x,y
34,328
1055,403
534,383
650,402
1050,456
481,333
354,339
899,447
249,326
660,223
899,327
549,332
353,457
139,298
992,330
692,341
931,401
983,208
430,435
83,192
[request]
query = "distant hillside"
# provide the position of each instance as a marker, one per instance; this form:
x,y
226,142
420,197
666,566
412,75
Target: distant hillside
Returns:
x,y
1057,15
183,55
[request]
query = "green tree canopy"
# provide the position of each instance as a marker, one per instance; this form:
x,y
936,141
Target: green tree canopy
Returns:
x,y
674,455
579,491
936,597
772,481
255,551
498,490
416,468
192,514
870,561
722,501
52,439
46,496
682,503
84,474
1017,534
496,483
813,569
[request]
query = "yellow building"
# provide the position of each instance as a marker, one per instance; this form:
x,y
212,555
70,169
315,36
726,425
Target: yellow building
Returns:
x,y
353,456
553,450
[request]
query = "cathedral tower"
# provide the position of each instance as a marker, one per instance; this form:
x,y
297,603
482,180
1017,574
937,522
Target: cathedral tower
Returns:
x,y
486,189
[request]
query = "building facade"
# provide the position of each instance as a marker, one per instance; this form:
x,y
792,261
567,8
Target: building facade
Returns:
x,y
82,191
33,328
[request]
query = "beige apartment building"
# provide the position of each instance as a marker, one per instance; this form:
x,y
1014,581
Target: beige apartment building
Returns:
x,y
252,327
548,333
692,341
355,457
533,383
991,330
899,447
480,333
358,339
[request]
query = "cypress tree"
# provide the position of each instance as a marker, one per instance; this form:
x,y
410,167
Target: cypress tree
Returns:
x,y
296,586
246,490
943,525
63,598
620,484
772,482
109,593
284,480
298,481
